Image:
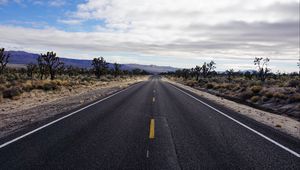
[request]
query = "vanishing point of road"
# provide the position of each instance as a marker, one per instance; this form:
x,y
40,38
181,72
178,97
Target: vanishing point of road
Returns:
x,y
150,125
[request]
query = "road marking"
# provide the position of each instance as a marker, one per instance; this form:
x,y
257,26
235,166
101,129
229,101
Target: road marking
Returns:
x,y
147,154
152,126
153,100
59,119
242,124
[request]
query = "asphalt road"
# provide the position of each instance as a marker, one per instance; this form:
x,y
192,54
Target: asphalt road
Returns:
x,y
151,125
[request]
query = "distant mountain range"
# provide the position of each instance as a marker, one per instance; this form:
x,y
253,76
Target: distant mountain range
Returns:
x,y
21,58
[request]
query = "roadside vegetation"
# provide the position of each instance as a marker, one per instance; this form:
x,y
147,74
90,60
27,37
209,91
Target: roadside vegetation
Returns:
x,y
48,73
275,92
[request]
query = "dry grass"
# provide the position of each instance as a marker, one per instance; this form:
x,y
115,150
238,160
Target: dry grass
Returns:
x,y
282,95
12,86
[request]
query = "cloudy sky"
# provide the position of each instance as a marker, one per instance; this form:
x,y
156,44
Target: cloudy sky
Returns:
x,y
179,33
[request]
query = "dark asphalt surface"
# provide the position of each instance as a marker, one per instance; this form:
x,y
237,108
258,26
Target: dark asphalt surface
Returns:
x,y
114,134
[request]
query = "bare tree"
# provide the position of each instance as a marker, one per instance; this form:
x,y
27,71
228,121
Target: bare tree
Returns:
x,y
51,63
262,66
100,66
3,60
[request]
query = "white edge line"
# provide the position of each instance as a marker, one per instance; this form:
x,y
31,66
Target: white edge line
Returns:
x,y
242,124
59,119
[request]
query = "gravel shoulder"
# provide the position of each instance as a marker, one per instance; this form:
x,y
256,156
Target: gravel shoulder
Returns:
x,y
39,105
279,122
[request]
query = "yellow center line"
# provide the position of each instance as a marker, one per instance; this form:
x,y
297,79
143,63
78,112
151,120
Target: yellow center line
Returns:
x,y
152,125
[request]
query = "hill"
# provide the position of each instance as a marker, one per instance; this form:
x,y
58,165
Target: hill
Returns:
x,y
21,58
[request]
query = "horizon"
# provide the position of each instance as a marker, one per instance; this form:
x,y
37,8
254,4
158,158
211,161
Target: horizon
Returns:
x,y
174,33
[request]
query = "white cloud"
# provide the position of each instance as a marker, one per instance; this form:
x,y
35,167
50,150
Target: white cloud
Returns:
x,y
191,29
57,3
70,21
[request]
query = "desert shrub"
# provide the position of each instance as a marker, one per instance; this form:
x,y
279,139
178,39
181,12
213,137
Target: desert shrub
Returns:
x,y
1,97
294,98
12,92
85,83
191,83
104,79
2,79
281,84
109,77
202,82
293,83
2,87
236,88
219,86
265,99
50,86
256,89
27,86
255,83
88,79
230,86
57,82
255,99
61,82
209,86
279,95
269,94
246,95
12,77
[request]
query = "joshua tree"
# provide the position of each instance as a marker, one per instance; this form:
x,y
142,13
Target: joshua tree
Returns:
x,y
117,69
229,74
43,71
31,68
262,66
299,66
207,68
198,72
186,73
3,60
100,66
49,63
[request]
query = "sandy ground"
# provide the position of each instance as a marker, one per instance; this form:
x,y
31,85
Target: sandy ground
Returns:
x,y
38,105
282,123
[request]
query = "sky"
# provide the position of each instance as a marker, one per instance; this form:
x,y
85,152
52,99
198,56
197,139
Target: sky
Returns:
x,y
178,33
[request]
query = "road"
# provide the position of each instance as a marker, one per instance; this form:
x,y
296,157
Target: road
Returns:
x,y
151,125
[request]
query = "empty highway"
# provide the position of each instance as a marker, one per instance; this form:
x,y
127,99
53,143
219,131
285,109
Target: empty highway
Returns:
x,y
150,125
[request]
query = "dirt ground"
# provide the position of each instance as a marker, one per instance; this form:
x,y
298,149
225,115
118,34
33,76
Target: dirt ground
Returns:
x,y
38,105
280,122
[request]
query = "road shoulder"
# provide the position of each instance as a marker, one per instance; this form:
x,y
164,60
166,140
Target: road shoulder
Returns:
x,y
282,123
18,119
